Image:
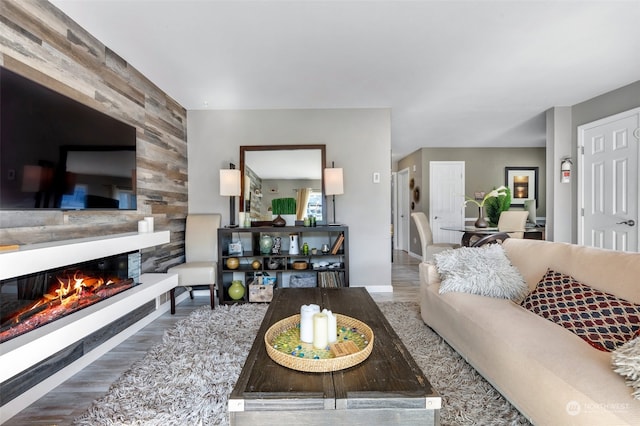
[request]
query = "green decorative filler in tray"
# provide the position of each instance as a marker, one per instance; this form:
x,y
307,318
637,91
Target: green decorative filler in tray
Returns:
x,y
354,345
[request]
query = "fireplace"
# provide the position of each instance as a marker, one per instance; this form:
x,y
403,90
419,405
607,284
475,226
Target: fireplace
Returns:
x,y
36,361
33,300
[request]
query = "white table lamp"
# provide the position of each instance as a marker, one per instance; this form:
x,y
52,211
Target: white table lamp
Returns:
x,y
230,187
333,185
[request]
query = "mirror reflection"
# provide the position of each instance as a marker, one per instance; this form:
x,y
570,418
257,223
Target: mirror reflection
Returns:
x,y
282,172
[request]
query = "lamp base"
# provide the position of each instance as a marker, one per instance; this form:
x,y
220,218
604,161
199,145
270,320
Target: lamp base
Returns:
x,y
334,224
231,226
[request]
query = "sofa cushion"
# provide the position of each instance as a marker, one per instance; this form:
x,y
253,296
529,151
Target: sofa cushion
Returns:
x,y
626,362
601,319
612,271
485,271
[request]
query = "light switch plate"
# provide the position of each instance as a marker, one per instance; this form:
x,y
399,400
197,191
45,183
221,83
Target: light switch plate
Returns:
x,y
376,177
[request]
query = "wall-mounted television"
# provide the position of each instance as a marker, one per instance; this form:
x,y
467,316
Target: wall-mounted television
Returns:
x,y
57,153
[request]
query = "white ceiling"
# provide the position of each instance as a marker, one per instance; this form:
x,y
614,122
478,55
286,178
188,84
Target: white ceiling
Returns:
x,y
454,73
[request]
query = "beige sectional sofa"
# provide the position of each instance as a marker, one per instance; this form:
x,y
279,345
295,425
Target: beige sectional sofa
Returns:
x,y
548,373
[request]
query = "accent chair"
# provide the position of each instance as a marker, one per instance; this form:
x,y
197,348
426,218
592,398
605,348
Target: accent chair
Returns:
x,y
513,220
426,237
201,254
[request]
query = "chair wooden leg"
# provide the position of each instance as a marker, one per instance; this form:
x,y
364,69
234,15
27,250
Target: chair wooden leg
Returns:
x,y
172,293
212,291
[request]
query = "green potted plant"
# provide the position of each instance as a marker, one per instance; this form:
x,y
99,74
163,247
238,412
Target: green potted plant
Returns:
x,y
285,208
496,205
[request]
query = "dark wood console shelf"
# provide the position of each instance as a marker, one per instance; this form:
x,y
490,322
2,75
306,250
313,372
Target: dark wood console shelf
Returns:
x,y
324,270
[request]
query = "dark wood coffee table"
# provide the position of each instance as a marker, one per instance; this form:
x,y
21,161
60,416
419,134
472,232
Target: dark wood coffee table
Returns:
x,y
386,388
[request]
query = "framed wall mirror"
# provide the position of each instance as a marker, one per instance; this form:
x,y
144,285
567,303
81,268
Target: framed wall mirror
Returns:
x,y
282,171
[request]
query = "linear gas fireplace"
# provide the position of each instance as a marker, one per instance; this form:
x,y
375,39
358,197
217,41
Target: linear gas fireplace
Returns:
x,y
31,301
77,299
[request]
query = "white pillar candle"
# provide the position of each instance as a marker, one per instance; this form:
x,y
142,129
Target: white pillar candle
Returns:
x,y
332,326
306,322
143,226
320,331
149,220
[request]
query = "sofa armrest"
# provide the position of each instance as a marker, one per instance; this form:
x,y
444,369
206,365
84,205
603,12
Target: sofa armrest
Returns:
x,y
429,277
429,274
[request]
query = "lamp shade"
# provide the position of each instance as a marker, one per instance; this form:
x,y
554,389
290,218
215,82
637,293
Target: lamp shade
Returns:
x,y
230,182
333,182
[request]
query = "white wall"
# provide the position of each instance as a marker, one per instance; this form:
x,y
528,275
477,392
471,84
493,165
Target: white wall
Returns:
x,y
559,195
358,140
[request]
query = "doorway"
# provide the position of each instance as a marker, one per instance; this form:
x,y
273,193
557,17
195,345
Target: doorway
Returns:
x,y
402,211
608,191
446,199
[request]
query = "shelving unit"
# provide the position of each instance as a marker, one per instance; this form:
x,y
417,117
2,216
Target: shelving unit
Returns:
x,y
328,270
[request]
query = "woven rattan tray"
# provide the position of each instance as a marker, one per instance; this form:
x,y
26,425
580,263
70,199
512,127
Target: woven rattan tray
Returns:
x,y
321,365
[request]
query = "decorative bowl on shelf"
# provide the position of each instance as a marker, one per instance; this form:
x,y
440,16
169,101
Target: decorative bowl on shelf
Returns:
x,y
300,265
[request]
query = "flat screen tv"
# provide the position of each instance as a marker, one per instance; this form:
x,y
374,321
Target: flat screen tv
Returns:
x,y
57,153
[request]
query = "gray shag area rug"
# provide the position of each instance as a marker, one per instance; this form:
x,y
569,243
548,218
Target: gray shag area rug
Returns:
x,y
186,379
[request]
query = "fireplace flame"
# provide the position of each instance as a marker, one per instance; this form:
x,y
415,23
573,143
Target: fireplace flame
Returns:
x,y
70,292
74,286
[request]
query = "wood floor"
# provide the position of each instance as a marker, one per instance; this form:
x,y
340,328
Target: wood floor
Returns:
x,y
73,397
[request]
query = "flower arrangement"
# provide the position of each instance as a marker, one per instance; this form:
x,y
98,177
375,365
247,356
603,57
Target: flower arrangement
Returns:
x,y
499,194
503,190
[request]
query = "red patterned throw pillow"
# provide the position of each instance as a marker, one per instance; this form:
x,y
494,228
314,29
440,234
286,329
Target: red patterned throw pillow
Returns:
x,y
601,319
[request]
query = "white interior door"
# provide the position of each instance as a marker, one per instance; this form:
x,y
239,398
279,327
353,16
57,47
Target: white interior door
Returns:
x,y
608,181
402,217
446,199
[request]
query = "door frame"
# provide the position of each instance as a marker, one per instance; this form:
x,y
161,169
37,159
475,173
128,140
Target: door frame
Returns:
x,y
580,169
401,193
394,211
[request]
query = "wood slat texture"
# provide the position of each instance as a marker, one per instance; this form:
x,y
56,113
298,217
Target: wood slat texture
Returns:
x,y
41,43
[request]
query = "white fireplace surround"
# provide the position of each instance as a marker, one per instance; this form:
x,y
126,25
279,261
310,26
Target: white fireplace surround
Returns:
x,y
43,256
24,351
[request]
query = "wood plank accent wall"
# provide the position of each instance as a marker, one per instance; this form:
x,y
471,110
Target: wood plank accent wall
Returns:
x,y
41,43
